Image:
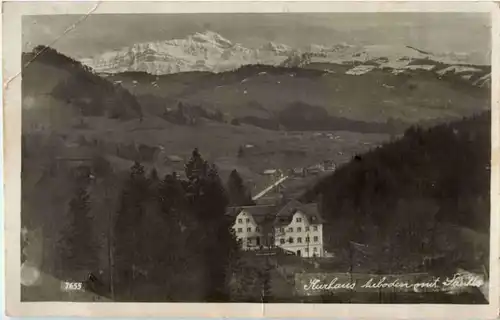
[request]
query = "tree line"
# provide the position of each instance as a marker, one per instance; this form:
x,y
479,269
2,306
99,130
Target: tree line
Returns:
x,y
408,195
170,240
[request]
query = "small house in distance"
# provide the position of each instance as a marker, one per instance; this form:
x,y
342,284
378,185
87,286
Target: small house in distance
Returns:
x,y
329,165
162,156
315,169
298,172
174,158
270,172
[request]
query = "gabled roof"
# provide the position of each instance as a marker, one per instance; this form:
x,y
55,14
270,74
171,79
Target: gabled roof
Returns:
x,y
260,213
263,214
289,209
284,216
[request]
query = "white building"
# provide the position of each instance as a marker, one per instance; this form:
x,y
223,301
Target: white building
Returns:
x,y
299,228
253,226
294,227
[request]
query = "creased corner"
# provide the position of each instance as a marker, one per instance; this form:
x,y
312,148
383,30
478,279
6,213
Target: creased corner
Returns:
x,y
66,31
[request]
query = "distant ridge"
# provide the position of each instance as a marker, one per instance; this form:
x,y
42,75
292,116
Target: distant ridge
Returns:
x,y
211,52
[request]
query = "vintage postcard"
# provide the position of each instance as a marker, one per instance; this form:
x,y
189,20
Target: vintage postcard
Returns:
x,y
251,159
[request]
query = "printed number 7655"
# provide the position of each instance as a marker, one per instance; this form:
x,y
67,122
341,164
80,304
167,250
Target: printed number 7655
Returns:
x,y
72,286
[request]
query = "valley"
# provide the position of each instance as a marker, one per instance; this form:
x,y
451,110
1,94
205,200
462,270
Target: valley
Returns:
x,y
279,111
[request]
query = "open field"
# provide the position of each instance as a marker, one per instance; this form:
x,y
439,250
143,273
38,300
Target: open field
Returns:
x,y
219,143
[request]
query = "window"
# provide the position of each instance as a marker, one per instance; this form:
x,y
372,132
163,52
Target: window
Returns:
x,y
248,220
290,229
307,229
290,240
249,229
315,239
307,249
299,229
298,219
315,228
308,239
315,249
299,240
240,220
282,241
240,230
257,229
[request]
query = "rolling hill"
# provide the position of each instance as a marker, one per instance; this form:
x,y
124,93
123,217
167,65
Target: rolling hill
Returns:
x,y
263,93
427,194
58,91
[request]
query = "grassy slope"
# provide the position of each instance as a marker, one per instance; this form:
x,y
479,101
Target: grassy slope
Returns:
x,y
421,96
219,143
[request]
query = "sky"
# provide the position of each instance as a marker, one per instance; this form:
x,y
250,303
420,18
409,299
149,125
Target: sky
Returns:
x,y
98,33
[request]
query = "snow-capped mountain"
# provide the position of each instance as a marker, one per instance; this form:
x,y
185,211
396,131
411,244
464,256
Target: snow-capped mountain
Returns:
x,y
209,51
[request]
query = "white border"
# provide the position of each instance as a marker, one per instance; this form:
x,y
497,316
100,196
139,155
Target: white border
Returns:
x,y
12,12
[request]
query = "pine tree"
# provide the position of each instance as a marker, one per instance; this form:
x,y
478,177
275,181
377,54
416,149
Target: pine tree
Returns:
x,y
174,203
78,248
238,193
196,167
127,235
212,199
208,201
162,243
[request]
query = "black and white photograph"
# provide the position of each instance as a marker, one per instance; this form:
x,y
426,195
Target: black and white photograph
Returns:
x,y
256,157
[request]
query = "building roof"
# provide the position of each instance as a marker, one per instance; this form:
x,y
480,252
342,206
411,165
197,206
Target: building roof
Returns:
x,y
174,158
263,214
260,213
284,216
270,171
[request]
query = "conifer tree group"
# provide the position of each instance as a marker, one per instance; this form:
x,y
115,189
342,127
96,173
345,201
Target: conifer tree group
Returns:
x,y
171,237
78,250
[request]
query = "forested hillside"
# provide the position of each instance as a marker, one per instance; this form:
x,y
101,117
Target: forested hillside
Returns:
x,y
417,193
144,237
57,90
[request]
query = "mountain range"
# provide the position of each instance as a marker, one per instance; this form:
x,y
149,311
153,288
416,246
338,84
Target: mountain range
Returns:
x,y
211,52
